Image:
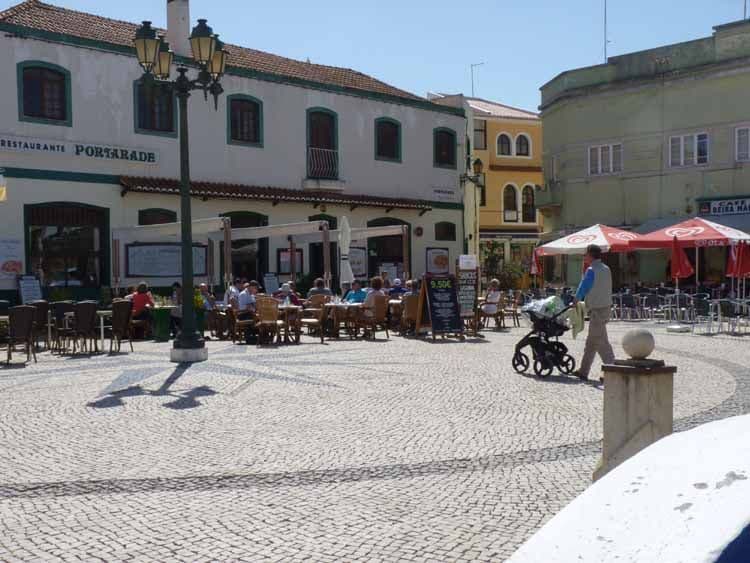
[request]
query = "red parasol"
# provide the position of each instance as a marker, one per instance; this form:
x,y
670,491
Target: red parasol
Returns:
x,y
692,233
681,266
738,265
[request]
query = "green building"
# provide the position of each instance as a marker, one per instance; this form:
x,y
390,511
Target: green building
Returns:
x,y
646,140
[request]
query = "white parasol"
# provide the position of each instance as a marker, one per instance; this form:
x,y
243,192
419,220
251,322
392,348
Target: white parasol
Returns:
x,y
345,240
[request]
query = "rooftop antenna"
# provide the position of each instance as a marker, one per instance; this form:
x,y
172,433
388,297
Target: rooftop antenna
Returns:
x,y
473,66
744,3
606,41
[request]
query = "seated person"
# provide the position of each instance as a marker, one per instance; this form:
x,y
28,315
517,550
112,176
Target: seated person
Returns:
x,y
286,293
376,289
142,303
356,294
206,297
319,289
175,315
397,290
246,301
232,293
409,289
492,298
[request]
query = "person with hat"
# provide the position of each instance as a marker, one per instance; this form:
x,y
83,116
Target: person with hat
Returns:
x,y
285,292
397,290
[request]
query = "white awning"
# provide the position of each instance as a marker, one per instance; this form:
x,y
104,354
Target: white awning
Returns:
x,y
284,230
201,227
360,234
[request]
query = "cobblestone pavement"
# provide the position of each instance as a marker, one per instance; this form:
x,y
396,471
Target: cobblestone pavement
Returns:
x,y
392,451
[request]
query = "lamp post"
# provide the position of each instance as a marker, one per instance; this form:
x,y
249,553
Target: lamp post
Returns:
x,y
155,57
477,167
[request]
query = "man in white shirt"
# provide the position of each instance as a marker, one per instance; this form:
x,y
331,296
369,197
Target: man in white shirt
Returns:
x,y
246,300
233,292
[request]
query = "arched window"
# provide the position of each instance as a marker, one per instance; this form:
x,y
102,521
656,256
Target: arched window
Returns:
x,y
445,230
245,120
387,139
45,93
156,216
510,204
322,144
528,210
504,146
444,148
523,145
155,111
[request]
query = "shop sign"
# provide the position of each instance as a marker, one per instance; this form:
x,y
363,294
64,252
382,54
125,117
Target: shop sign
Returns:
x,y
77,149
739,206
444,194
11,258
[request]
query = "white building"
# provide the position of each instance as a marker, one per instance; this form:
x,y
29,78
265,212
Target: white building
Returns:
x,y
86,150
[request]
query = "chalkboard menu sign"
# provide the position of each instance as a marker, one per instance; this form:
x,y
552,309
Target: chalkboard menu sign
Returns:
x,y
467,292
29,288
162,260
442,302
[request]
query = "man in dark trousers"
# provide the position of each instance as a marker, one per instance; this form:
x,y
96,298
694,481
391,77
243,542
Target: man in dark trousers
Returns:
x,y
595,290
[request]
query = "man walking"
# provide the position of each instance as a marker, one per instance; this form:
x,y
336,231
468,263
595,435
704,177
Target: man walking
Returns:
x,y
595,290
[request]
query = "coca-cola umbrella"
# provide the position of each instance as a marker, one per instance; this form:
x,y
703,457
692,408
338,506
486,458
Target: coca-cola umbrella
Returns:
x,y
609,239
738,266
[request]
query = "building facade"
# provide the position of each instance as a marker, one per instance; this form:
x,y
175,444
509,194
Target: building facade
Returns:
x,y
647,140
508,141
86,148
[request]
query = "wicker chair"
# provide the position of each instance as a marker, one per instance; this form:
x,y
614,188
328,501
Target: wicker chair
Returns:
x,y
238,327
268,323
511,308
121,310
84,327
378,318
314,319
21,330
41,318
409,314
61,330
498,316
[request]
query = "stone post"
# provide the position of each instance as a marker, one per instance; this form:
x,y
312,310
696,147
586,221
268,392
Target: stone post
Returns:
x,y
638,402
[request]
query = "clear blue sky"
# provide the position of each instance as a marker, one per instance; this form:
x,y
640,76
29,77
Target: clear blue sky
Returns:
x,y
421,45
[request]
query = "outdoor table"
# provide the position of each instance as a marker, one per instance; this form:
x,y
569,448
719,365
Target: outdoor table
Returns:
x,y
161,316
341,311
395,310
103,314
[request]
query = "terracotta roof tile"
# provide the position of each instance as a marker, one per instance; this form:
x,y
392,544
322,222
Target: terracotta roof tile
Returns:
x,y
38,15
240,191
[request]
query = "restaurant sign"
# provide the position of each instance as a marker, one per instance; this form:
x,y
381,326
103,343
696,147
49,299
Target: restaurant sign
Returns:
x,y
739,206
77,149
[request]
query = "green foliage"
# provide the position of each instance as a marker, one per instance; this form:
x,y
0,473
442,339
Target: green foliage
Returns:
x,y
494,265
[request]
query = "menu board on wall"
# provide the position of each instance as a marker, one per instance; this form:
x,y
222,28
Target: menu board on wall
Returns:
x,y
442,302
358,262
29,288
467,292
11,258
438,261
162,260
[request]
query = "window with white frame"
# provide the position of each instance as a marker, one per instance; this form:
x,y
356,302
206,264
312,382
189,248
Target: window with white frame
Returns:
x,y
605,159
480,134
688,150
742,144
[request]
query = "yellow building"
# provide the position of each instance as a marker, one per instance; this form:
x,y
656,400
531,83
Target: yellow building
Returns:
x,y
508,140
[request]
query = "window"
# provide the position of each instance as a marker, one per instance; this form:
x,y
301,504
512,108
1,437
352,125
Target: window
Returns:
x,y
156,216
510,204
483,191
553,168
44,93
523,145
322,144
688,150
245,120
480,134
504,146
387,139
445,231
155,109
742,144
67,244
528,211
605,159
444,148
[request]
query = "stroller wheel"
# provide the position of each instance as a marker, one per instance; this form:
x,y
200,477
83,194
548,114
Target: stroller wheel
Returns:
x,y
567,365
520,362
542,368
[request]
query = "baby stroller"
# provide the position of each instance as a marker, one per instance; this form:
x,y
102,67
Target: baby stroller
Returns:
x,y
547,353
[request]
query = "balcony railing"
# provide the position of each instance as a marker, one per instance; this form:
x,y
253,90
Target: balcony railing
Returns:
x,y
322,164
550,196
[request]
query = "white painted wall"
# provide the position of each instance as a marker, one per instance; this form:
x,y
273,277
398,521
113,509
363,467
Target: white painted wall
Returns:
x,y
103,112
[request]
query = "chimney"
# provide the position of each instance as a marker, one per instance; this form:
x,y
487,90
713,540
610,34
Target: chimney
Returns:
x,y
178,26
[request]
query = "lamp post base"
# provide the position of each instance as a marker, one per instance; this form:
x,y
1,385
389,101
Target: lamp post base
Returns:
x,y
188,355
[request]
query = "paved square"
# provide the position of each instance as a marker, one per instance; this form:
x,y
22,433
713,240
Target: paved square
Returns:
x,y
386,451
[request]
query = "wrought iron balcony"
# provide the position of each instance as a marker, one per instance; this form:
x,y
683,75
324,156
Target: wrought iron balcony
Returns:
x,y
322,164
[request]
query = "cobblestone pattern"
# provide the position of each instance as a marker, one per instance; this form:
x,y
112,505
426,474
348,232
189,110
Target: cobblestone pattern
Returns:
x,y
392,451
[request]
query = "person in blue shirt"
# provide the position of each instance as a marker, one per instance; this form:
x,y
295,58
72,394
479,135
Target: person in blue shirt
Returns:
x,y
596,290
356,294
397,290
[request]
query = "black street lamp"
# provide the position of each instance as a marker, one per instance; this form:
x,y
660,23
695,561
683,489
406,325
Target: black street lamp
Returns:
x,y
155,57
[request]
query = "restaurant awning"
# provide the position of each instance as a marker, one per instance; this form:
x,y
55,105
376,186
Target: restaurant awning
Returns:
x,y
609,239
692,233
201,227
358,234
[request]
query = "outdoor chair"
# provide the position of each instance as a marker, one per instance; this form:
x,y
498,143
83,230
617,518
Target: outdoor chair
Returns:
x,y
653,306
702,314
511,308
409,314
84,326
370,319
236,327
41,320
629,307
314,319
498,316
61,330
268,323
679,307
121,310
141,325
21,330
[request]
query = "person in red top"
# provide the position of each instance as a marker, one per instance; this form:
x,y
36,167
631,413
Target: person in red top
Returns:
x,y
142,302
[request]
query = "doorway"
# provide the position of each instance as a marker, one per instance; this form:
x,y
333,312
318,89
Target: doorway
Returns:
x,y
249,256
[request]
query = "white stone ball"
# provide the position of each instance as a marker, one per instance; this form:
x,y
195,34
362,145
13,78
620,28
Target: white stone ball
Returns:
x,y
638,343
